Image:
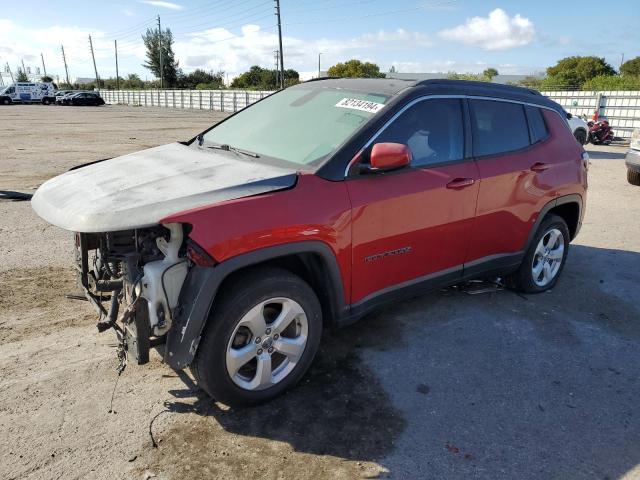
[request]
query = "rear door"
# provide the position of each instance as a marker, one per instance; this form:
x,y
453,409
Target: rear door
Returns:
x,y
516,176
413,224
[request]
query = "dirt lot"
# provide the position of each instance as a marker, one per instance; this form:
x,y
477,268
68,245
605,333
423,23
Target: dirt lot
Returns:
x,y
447,385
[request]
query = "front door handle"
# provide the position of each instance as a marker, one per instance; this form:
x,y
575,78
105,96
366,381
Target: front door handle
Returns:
x,y
458,183
540,167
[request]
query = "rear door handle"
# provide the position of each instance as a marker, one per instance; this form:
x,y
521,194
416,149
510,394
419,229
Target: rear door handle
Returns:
x,y
458,183
540,167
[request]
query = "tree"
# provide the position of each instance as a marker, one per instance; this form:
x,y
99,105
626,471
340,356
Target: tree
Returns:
x,y
573,72
631,67
264,79
475,77
609,82
490,73
152,40
201,80
355,69
46,79
21,76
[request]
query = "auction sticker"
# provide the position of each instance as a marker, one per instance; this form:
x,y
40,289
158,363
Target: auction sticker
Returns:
x,y
364,105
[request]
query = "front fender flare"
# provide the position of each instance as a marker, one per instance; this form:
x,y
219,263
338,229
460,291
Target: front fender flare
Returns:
x,y
202,283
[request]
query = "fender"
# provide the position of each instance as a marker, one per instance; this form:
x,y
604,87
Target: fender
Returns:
x,y
202,283
572,198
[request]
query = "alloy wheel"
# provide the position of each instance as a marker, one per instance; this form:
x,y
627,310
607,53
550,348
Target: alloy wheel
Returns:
x,y
267,343
548,257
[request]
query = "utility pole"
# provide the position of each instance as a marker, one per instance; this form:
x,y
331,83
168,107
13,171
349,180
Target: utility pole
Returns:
x,y
24,70
115,42
43,67
280,41
319,54
621,62
11,74
160,49
95,69
66,70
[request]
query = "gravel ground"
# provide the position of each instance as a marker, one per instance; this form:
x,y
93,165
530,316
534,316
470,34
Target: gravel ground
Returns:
x,y
446,385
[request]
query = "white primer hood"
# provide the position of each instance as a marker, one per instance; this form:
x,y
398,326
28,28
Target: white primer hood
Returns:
x,y
139,189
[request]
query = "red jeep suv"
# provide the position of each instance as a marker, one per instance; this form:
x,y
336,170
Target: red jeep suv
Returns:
x,y
232,251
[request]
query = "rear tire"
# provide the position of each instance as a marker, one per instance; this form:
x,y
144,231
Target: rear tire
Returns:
x,y
633,177
545,258
6,101
245,317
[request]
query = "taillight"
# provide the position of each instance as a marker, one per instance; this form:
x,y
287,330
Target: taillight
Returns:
x,y
198,256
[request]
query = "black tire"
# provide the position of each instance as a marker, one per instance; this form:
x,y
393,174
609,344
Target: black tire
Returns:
x,y
522,280
633,177
581,136
6,101
239,296
46,101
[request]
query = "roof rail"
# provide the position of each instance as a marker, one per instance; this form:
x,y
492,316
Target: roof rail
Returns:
x,y
488,85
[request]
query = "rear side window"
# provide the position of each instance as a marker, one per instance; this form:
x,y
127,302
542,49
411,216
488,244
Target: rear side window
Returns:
x,y
536,124
498,127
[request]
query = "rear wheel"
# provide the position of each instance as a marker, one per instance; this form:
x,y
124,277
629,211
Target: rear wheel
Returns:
x,y
6,101
260,339
633,177
544,259
46,101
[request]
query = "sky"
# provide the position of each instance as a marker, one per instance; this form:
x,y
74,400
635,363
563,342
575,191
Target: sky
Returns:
x,y
515,37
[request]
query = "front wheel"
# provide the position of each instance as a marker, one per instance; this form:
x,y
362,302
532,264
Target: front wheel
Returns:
x,y
581,136
260,339
545,258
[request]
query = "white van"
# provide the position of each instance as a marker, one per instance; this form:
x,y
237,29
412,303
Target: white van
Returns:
x,y
28,92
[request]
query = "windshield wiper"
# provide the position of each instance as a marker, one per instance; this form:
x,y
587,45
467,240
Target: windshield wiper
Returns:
x,y
229,148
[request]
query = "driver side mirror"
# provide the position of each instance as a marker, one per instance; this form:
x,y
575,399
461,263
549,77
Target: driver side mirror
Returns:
x,y
389,156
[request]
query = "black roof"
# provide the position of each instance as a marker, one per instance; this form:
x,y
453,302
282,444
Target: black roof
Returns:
x,y
393,86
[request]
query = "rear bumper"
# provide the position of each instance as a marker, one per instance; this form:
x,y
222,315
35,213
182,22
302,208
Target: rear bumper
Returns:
x,y
632,160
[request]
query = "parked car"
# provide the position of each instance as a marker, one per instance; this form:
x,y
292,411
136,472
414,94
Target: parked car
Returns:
x,y
633,158
64,96
579,128
312,207
84,98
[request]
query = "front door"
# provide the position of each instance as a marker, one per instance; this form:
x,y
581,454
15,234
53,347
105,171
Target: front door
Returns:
x,y
413,225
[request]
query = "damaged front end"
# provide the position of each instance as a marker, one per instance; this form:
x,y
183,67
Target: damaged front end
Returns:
x,y
133,278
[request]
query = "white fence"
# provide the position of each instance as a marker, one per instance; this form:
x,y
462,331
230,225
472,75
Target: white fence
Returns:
x,y
220,100
621,108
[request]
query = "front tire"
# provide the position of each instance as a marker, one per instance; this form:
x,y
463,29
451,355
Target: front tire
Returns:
x,y
260,338
633,177
545,258
581,136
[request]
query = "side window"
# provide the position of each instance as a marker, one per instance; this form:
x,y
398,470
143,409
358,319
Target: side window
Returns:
x,y
498,127
536,124
432,129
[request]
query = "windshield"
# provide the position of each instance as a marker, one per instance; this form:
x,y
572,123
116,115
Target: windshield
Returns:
x,y
299,125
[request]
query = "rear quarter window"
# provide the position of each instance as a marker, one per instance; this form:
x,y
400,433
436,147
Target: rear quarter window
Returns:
x,y
498,127
536,124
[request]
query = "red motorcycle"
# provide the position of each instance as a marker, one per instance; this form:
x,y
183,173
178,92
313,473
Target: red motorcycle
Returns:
x,y
600,132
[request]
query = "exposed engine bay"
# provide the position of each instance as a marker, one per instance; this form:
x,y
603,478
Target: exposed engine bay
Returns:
x,y
133,278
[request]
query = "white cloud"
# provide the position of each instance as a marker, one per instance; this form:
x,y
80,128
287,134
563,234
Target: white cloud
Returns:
x,y
498,31
220,49
163,4
128,13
